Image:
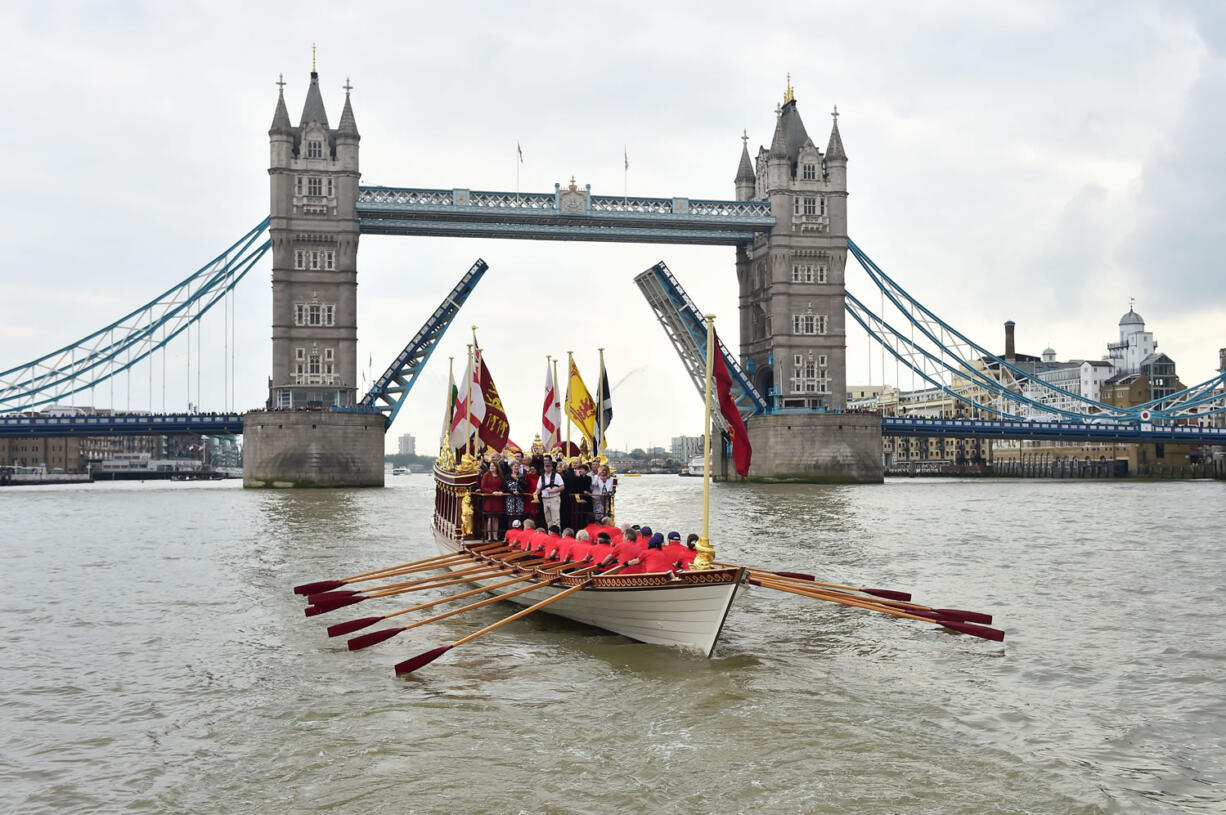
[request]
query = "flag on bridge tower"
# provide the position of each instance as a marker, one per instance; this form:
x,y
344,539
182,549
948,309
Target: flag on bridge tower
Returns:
x,y
520,150
742,453
551,413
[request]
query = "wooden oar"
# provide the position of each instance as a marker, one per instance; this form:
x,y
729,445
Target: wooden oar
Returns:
x,y
324,606
955,625
477,566
888,593
375,637
321,586
423,659
356,625
943,613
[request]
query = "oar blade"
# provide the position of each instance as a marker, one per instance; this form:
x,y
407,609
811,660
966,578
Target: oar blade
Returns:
x,y
421,660
964,616
318,587
327,596
889,594
373,638
994,634
349,626
331,605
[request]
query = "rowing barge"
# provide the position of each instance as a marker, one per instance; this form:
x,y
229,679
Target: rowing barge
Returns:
x,y
686,611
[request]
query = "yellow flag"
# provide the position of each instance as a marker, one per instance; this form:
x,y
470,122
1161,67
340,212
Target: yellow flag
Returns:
x,y
579,404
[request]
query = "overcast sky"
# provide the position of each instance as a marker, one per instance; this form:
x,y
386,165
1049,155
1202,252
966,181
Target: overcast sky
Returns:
x,y
1040,162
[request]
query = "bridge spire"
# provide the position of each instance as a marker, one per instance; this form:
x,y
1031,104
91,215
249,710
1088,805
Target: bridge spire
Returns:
x,y
348,125
313,108
745,178
280,116
834,149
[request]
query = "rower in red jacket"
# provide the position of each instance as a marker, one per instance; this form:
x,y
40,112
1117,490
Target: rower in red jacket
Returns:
x,y
678,551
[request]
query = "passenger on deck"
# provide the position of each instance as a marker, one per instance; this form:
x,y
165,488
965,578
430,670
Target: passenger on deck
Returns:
x,y
549,490
602,549
492,505
627,548
580,552
513,486
677,550
653,559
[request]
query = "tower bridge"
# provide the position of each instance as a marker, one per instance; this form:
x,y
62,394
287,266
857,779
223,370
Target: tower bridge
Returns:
x,y
787,224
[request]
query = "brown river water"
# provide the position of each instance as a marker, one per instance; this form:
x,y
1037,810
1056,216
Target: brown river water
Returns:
x,y
154,659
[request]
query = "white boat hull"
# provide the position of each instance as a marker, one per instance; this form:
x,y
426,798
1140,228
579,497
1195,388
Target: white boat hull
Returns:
x,y
686,614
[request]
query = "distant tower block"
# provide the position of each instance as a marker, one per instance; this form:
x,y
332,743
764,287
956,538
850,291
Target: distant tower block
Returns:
x,y
791,280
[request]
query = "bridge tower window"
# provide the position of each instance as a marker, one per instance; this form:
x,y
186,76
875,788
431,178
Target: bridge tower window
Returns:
x,y
315,149
299,314
315,185
329,260
809,172
299,259
810,206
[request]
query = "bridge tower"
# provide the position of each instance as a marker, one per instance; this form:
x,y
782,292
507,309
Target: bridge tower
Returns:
x,y
792,321
309,436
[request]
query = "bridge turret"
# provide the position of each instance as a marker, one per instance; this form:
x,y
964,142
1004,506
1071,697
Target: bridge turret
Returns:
x,y
835,164
745,179
281,133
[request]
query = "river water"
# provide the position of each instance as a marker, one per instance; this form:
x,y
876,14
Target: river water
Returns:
x,y
154,659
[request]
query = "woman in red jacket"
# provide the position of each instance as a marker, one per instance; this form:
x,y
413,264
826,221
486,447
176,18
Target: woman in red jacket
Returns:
x,y
490,487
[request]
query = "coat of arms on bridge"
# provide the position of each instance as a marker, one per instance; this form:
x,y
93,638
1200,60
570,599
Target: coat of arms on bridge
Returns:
x,y
572,200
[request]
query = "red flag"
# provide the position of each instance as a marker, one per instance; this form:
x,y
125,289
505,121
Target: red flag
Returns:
x,y
494,427
741,451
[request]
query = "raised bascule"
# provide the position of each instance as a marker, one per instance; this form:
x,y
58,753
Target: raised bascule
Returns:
x,y
787,224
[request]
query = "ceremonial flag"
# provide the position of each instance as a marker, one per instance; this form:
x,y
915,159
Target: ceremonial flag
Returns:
x,y
626,156
519,150
494,427
605,408
551,413
741,451
468,404
579,405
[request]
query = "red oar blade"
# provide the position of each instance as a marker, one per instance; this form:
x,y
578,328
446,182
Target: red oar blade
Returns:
x,y
889,594
340,629
332,605
796,575
318,599
983,631
373,638
420,661
318,587
964,616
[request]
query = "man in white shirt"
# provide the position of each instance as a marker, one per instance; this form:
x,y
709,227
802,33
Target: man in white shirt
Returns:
x,y
549,490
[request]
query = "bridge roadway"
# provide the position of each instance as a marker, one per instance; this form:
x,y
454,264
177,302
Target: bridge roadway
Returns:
x,y
127,424
1050,431
565,214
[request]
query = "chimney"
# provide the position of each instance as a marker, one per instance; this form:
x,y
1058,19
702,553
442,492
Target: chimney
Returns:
x,y
1009,350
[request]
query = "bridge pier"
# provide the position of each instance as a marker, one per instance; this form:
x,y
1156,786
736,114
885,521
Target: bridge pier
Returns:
x,y
284,448
824,448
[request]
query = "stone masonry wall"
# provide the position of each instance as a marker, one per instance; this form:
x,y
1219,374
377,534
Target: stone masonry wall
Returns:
x,y
312,449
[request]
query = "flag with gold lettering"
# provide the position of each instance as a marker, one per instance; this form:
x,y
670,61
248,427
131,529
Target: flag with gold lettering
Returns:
x,y
579,404
494,428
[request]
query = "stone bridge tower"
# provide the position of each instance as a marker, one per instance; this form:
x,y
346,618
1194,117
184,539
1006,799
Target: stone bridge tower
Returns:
x,y
314,229
793,326
793,338
310,435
